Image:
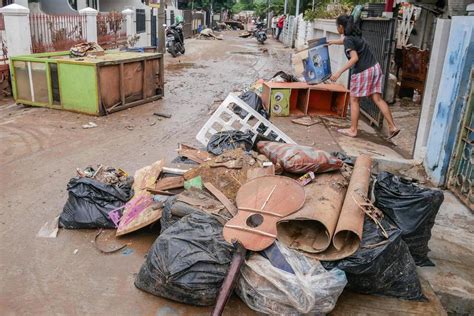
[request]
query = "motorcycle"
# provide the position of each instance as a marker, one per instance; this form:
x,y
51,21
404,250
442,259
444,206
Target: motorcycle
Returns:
x,y
175,39
260,32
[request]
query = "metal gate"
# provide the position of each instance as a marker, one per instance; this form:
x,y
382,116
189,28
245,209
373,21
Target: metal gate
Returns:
x,y
379,35
188,23
461,177
153,29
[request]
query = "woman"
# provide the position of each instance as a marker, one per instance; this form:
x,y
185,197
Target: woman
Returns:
x,y
366,79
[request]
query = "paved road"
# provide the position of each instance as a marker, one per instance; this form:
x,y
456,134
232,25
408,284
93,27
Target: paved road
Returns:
x,y
40,150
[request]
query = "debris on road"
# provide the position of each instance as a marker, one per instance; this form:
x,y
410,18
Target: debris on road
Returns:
x,y
89,125
165,115
306,121
49,229
286,226
208,33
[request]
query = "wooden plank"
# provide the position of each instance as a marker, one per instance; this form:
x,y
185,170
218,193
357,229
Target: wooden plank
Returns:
x,y
146,217
122,85
169,183
152,173
194,155
221,197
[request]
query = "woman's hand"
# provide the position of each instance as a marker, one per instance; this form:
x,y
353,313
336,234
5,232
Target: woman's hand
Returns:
x,y
335,76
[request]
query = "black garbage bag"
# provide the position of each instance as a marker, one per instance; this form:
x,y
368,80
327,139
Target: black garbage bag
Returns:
x,y
413,208
90,201
345,158
254,101
229,140
188,262
285,77
381,266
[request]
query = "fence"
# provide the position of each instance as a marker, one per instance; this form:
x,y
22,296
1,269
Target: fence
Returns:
x,y
111,30
56,32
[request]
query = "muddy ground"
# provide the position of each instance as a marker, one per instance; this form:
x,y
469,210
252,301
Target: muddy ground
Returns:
x,y
41,149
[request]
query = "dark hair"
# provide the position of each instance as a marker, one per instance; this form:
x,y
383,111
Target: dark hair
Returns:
x,y
350,27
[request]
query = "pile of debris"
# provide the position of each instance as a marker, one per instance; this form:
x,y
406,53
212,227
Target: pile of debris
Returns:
x,y
288,227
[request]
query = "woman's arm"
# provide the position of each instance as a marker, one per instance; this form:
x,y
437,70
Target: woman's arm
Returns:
x,y
351,62
336,42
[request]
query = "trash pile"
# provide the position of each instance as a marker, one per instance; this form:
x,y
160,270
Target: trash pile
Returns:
x,y
284,226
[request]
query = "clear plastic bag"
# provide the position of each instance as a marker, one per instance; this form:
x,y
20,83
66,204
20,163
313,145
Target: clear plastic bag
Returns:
x,y
270,290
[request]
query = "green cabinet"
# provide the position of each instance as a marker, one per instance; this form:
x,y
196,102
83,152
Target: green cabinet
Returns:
x,y
95,85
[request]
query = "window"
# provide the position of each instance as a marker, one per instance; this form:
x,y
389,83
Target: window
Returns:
x,y
92,4
140,16
73,4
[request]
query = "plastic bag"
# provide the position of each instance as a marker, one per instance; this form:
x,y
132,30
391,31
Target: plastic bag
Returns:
x,y
174,210
299,159
270,290
90,202
254,101
413,208
381,266
229,140
188,261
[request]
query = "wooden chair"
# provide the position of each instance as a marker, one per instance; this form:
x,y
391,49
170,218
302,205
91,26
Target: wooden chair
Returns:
x,y
414,68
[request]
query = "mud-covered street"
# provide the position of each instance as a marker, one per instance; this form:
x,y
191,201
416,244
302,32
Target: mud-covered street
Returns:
x,y
41,149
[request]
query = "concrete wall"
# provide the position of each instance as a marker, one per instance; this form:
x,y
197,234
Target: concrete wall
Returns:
x,y
120,5
433,78
451,99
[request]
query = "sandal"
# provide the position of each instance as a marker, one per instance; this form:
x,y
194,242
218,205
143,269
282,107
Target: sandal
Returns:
x,y
346,132
394,133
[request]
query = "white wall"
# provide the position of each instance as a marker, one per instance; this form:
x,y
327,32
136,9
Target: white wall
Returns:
x,y
120,5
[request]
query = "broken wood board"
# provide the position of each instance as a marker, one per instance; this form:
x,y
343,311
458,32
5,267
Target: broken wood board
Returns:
x,y
146,177
228,181
150,213
193,154
306,121
169,183
221,197
350,303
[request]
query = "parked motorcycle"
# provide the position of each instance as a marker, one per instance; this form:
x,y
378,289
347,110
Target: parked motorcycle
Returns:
x,y
175,39
260,32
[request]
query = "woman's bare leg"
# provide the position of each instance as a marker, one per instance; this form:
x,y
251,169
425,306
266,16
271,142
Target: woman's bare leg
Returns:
x,y
383,106
355,111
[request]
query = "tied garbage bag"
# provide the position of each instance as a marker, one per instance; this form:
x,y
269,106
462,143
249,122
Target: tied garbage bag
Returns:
x,y
188,262
413,208
299,159
310,289
229,140
381,266
254,101
90,201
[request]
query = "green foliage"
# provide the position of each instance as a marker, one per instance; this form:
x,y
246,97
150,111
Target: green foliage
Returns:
x,y
321,10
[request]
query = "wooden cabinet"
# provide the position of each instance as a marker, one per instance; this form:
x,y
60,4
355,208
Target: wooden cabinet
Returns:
x,y
299,99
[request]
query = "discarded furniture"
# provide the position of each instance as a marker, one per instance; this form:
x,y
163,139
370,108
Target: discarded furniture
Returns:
x,y
225,119
299,99
95,85
414,68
